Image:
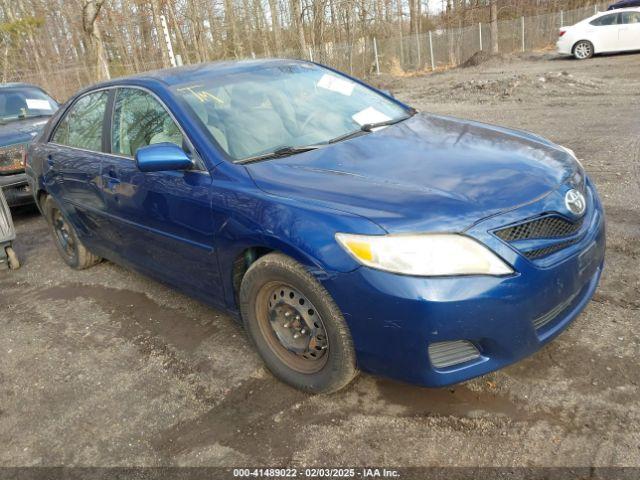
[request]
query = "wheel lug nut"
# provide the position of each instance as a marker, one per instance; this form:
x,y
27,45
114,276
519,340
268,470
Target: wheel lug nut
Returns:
x,y
303,331
296,335
287,314
286,325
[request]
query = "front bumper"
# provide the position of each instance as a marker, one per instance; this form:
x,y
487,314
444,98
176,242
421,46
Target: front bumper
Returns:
x,y
16,189
394,318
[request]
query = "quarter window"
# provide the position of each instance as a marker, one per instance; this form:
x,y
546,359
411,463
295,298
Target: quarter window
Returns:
x,y
81,127
140,120
606,20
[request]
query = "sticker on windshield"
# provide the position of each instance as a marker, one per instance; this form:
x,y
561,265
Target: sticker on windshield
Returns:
x,y
36,104
201,95
336,84
370,115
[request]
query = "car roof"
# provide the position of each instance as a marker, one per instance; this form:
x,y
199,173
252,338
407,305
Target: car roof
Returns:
x,y
194,73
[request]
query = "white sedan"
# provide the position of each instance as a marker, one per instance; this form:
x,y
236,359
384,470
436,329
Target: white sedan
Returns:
x,y
611,31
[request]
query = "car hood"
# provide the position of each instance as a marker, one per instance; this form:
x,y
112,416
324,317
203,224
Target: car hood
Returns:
x,y
428,173
22,131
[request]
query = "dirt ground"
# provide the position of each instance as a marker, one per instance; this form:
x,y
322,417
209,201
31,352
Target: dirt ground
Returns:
x,y
105,367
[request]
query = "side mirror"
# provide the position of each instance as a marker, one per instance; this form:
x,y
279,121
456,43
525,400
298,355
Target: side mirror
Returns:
x,y
161,157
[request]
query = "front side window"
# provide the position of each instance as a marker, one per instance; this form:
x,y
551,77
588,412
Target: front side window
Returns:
x,y
140,120
81,127
630,17
606,20
253,113
20,103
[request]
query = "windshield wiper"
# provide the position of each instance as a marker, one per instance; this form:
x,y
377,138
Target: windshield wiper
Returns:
x,y
369,127
29,117
280,152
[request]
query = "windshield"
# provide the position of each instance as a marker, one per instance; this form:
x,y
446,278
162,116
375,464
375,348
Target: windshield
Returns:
x,y
19,103
255,112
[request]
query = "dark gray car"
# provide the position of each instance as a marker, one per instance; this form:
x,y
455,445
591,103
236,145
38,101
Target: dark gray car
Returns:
x,y
24,111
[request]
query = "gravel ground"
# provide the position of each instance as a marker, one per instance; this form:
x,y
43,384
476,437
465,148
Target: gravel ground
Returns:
x,y
105,367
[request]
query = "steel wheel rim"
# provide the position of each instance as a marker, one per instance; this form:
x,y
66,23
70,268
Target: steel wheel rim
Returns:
x,y
583,50
292,327
63,234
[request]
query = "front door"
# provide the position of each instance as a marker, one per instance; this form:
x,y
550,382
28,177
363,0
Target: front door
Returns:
x,y
160,221
630,31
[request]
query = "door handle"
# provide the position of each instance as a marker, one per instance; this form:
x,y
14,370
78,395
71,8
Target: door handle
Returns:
x,y
112,184
50,161
111,179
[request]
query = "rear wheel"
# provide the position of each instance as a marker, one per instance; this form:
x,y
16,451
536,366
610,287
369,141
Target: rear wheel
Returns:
x,y
295,325
71,249
583,50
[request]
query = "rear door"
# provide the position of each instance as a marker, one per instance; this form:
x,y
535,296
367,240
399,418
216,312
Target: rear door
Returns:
x,y
159,221
629,33
73,159
605,31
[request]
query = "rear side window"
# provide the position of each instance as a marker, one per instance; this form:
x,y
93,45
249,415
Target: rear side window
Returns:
x,y
630,17
81,126
140,120
606,20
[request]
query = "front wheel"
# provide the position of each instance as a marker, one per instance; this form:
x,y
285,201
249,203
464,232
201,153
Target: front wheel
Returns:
x,y
583,50
295,325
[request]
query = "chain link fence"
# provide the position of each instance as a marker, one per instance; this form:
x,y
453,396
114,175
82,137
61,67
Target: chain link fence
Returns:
x,y
364,57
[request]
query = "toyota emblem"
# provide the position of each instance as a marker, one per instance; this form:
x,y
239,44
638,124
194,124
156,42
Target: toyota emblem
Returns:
x,y
575,202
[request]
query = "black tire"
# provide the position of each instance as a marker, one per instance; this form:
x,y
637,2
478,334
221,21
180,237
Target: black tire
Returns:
x,y
71,249
583,50
336,366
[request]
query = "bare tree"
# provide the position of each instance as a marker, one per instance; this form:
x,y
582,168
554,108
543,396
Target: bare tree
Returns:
x,y
90,11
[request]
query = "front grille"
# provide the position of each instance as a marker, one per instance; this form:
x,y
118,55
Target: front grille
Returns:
x,y
543,252
551,226
446,354
548,227
545,319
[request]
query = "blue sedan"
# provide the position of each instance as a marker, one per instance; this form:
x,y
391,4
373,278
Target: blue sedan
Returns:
x,y
344,229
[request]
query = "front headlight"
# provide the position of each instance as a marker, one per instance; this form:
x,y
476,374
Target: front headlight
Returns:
x,y
573,155
424,254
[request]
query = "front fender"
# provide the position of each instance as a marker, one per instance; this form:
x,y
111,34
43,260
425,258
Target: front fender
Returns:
x,y
303,231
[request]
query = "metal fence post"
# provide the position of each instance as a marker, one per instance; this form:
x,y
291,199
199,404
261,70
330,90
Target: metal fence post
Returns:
x,y
418,45
310,54
562,18
480,33
595,8
522,19
433,63
375,52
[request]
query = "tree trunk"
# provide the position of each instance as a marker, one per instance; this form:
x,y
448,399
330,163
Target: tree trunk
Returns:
x,y
275,25
296,15
90,11
494,26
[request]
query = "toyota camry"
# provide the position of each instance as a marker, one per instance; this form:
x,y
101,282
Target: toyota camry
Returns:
x,y
346,230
